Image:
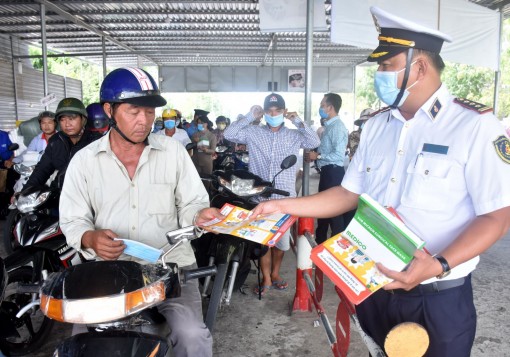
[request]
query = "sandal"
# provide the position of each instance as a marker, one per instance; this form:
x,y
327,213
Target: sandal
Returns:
x,y
280,285
265,289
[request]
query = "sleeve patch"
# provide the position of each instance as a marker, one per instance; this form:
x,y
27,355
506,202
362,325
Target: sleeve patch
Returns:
x,y
469,104
502,146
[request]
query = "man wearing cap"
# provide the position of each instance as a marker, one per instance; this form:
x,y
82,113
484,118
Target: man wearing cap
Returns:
x,y
330,159
193,127
353,140
443,164
268,146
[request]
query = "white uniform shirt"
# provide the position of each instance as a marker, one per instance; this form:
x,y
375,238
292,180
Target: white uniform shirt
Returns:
x,y
180,135
439,170
164,194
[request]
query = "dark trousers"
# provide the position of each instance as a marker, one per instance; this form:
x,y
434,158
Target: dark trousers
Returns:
x,y
449,316
331,176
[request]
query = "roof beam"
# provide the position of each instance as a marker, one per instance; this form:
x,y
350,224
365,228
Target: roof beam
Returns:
x,y
81,23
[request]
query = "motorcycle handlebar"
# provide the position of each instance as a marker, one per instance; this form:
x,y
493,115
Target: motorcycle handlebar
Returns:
x,y
279,192
199,273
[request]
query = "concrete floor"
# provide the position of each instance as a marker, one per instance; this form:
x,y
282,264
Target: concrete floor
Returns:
x,y
253,328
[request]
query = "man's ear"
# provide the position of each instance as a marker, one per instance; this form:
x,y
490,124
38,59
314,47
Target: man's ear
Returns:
x,y
108,108
423,67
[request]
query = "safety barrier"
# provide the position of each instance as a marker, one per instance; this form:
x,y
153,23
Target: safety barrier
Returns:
x,y
310,292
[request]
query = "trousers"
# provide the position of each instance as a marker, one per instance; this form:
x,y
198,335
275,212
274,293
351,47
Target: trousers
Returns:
x,y
449,316
331,176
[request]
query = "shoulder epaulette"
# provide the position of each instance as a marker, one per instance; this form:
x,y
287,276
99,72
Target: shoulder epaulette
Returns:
x,y
382,110
469,104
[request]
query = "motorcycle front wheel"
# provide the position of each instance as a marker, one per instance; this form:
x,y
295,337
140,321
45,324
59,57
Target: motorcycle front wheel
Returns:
x,y
9,242
216,295
33,327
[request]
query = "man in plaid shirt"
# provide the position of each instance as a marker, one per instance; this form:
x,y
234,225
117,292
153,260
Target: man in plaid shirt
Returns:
x,y
268,145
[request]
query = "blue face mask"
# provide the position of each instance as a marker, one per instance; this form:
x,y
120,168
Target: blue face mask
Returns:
x,y
169,124
274,121
385,84
200,127
323,113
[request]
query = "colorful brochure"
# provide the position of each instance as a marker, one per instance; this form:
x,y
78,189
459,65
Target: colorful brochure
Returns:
x,y
265,230
373,235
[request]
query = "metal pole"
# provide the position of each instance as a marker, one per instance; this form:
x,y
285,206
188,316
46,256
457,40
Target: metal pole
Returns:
x,y
497,74
308,86
14,81
103,40
273,49
44,51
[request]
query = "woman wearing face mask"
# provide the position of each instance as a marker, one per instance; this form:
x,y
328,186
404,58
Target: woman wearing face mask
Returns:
x,y
206,146
170,127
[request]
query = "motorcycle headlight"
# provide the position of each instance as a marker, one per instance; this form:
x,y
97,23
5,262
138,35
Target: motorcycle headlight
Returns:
x,y
244,158
241,187
28,203
103,309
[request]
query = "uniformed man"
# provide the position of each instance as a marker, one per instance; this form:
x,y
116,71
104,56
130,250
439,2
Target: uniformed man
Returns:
x,y
353,140
443,164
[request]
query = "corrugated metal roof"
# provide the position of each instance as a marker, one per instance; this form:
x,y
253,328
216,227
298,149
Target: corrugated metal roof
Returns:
x,y
208,32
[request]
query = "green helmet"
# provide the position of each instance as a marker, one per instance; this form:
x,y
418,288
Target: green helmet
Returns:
x,y
70,105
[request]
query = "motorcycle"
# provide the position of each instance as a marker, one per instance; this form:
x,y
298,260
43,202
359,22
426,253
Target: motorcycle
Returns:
x,y
40,247
232,256
111,298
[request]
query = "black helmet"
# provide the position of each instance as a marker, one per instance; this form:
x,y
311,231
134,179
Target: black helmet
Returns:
x,y
70,106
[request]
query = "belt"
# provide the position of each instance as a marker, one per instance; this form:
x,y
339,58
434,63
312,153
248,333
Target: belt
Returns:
x,y
434,287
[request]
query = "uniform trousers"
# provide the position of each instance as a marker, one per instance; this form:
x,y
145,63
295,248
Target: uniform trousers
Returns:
x,y
331,176
449,316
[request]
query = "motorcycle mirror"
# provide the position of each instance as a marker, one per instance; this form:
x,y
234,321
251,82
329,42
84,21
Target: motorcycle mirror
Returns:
x,y
288,162
13,147
191,146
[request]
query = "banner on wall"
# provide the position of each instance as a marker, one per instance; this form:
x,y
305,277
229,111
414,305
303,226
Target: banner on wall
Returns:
x,y
296,80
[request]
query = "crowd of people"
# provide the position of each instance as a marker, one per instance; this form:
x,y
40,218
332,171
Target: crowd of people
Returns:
x,y
121,176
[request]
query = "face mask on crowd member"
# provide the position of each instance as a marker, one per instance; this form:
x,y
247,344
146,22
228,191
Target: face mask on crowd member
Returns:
x,y
274,121
169,124
386,86
323,113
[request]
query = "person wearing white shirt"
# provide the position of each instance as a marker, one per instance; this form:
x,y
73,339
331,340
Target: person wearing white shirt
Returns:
x,y
443,164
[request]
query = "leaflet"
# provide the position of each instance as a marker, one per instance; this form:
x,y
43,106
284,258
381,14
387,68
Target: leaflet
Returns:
x,y
266,230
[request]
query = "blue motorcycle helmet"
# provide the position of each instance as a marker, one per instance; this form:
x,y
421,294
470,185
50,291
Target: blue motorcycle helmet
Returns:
x,y
97,120
130,85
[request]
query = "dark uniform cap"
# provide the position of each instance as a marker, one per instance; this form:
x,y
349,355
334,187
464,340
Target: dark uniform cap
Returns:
x,y
200,112
274,100
397,35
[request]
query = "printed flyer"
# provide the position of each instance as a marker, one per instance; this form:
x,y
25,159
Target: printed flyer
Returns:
x,y
265,230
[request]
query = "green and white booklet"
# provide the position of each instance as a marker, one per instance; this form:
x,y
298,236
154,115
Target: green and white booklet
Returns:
x,y
375,235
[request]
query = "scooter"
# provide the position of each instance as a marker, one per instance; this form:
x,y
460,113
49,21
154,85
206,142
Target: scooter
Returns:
x,y
41,248
113,297
232,256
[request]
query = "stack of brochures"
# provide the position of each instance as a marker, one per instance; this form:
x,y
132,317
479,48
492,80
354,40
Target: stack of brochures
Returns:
x,y
374,235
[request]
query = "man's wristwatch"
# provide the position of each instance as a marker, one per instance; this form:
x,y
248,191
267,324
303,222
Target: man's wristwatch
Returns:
x,y
444,265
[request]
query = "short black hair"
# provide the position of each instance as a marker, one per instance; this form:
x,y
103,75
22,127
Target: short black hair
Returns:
x,y
435,59
335,100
